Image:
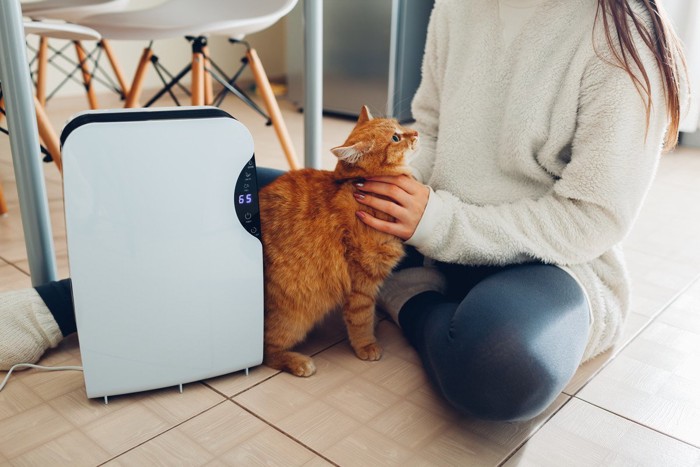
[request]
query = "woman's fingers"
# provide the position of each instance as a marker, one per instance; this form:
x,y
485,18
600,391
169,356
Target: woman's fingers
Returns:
x,y
402,198
408,184
386,189
391,228
386,206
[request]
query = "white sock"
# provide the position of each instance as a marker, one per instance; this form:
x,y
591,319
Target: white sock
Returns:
x,y
405,284
27,328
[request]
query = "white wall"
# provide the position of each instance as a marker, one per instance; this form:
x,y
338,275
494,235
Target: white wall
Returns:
x,y
685,15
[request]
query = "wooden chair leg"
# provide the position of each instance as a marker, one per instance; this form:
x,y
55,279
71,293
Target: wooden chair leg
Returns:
x,y
48,135
118,73
87,79
272,108
197,79
137,84
208,80
3,203
50,139
41,71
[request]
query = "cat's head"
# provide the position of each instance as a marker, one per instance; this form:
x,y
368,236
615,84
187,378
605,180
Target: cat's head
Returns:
x,y
376,146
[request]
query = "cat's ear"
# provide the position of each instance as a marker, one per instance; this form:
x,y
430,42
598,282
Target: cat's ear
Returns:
x,y
365,116
351,154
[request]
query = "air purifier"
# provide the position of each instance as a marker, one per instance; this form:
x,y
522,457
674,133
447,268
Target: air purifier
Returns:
x,y
164,250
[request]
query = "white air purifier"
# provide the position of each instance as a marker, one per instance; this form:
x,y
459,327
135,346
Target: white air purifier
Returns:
x,y
164,249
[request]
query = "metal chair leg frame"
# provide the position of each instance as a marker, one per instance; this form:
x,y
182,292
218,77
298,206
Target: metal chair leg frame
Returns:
x,y
69,74
168,85
174,79
94,58
98,74
238,92
132,101
200,95
199,46
224,91
263,84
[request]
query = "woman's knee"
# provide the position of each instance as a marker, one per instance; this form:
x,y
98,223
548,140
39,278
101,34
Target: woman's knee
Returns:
x,y
502,380
513,344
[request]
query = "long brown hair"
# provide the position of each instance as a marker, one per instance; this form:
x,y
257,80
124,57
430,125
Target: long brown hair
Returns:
x,y
663,43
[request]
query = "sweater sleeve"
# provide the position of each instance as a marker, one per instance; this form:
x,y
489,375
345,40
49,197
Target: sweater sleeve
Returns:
x,y
426,102
589,209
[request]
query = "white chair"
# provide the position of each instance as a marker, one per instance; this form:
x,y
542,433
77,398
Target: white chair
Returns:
x,y
73,11
197,20
51,144
70,10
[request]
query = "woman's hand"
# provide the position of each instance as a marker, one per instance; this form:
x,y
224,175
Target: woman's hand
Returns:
x,y
406,199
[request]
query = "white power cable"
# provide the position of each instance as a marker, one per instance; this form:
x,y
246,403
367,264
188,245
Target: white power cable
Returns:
x,y
39,367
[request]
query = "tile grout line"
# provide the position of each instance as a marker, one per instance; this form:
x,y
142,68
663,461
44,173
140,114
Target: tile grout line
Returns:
x,y
651,320
17,268
48,404
164,432
268,423
242,390
278,372
12,264
524,442
667,435
279,430
216,391
663,308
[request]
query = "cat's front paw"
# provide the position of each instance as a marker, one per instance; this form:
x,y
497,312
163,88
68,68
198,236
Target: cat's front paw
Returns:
x,y
370,352
302,367
291,362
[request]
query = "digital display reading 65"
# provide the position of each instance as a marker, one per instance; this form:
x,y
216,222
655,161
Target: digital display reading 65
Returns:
x,y
245,199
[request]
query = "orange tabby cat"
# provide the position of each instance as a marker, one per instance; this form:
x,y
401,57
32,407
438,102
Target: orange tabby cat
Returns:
x,y
318,255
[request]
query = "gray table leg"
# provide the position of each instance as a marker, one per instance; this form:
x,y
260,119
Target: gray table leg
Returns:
x,y
24,144
313,82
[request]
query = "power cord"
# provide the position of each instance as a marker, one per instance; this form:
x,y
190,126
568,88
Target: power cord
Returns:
x,y
39,367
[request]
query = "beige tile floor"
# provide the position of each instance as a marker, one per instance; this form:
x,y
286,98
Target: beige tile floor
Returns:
x,y
639,404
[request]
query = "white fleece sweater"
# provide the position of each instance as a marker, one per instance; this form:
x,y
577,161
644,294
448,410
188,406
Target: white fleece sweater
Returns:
x,y
535,151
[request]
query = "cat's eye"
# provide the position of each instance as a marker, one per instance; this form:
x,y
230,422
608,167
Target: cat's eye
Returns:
x,y
396,138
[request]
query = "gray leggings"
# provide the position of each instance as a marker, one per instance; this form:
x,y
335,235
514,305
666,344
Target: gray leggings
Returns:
x,y
504,342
